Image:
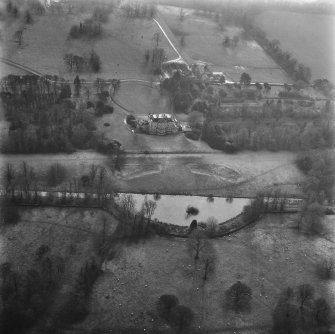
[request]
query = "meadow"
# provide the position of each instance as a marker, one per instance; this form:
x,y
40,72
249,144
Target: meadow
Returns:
x,y
308,37
121,47
268,256
204,41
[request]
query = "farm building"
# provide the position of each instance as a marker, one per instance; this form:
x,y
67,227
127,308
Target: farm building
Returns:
x,y
161,124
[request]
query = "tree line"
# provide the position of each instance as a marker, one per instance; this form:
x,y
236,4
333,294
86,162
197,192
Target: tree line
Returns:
x,y
75,63
293,68
244,16
318,166
272,129
139,10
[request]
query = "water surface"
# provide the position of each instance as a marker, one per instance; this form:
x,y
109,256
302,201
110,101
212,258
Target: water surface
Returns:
x,y
172,208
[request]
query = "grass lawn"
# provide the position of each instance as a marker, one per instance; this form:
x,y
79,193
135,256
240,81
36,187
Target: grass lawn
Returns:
x,y
268,257
240,174
203,41
300,35
121,48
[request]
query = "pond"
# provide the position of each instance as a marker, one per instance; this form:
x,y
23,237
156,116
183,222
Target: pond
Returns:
x,y
172,208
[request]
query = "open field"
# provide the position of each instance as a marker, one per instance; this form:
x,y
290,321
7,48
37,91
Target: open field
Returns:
x,y
220,174
268,257
142,99
308,37
68,232
121,48
203,41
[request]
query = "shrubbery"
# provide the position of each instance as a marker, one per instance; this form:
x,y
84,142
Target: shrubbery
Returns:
x,y
238,297
131,120
193,135
304,161
254,210
192,211
165,304
319,168
179,316
102,109
193,225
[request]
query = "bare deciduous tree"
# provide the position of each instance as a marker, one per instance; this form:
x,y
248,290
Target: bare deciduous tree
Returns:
x,y
149,207
208,260
18,36
181,15
305,295
127,205
156,38
197,243
93,172
212,226
9,176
